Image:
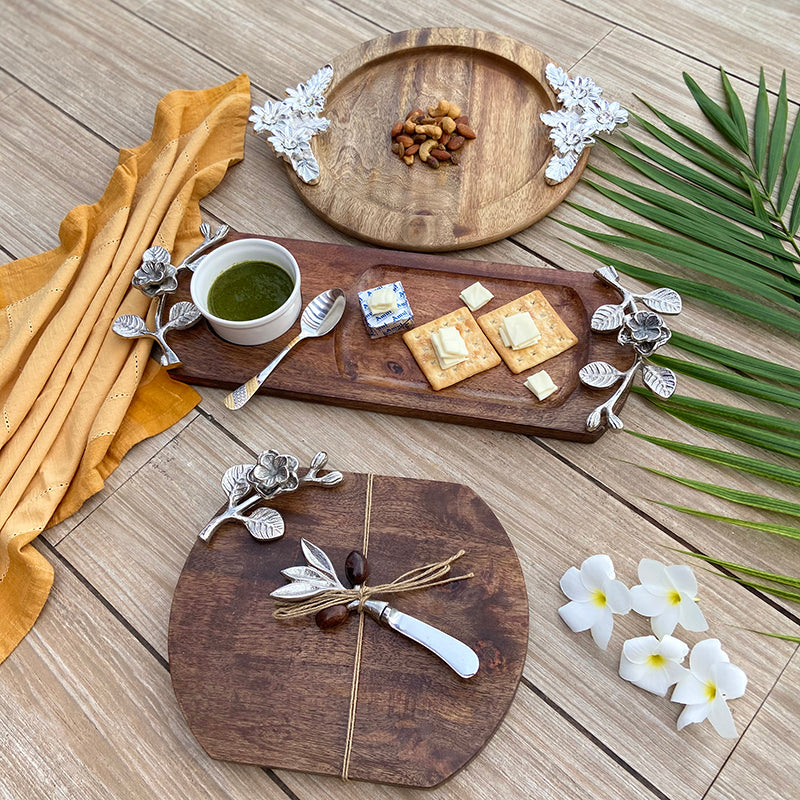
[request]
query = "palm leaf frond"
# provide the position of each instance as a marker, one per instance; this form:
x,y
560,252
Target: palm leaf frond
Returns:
x,y
788,531
750,365
754,466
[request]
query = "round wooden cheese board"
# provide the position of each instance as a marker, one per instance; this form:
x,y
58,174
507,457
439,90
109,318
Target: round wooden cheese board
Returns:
x,y
497,189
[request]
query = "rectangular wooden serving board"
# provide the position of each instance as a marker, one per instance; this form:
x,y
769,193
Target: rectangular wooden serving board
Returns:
x,y
348,368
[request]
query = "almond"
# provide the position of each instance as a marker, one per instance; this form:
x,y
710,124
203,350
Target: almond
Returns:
x,y
465,130
454,143
411,150
440,155
404,140
462,120
397,129
444,140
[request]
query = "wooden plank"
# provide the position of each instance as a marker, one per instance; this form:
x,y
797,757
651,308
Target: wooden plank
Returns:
x,y
133,461
741,38
100,64
517,763
49,169
766,762
87,711
279,48
545,514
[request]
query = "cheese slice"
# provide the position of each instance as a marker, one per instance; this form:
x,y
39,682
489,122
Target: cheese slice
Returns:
x,y
476,296
382,300
449,346
541,384
519,330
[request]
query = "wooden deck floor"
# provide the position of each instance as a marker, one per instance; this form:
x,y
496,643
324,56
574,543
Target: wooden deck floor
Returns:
x,y
86,705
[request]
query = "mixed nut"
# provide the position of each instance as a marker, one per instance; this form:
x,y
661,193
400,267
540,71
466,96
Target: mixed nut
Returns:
x,y
434,136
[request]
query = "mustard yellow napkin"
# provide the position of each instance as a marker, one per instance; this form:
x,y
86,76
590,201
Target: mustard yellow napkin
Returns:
x,y
74,396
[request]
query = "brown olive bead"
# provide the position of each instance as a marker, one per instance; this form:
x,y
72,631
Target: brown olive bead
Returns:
x,y
356,568
331,617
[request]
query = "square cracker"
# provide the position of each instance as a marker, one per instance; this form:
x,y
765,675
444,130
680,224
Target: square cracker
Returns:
x,y
555,338
481,354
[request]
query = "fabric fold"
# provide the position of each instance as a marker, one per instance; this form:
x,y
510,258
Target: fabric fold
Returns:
x,y
74,396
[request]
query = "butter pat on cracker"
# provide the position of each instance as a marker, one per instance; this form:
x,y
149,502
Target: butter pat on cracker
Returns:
x,y
541,384
519,330
449,346
476,296
480,353
554,335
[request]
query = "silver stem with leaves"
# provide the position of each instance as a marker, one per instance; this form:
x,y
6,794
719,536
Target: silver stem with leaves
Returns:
x,y
157,277
248,484
645,331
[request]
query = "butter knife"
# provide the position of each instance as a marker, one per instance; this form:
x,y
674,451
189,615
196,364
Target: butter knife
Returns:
x,y
463,660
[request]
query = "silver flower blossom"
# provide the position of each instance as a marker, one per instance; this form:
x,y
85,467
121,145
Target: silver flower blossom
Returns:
x,y
156,275
274,474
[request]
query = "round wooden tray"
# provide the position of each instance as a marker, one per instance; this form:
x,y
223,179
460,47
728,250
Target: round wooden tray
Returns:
x,y
277,694
497,189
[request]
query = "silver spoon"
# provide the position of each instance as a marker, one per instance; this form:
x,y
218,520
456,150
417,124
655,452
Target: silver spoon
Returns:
x,y
320,316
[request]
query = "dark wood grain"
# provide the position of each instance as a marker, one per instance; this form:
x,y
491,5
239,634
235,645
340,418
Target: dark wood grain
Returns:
x,y
277,694
499,186
348,368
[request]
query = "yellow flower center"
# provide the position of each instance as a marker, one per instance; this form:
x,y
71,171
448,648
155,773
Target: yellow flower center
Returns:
x,y
656,660
711,691
674,597
599,598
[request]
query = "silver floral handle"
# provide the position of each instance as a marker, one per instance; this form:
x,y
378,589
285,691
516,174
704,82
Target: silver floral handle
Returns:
x,y
583,114
248,484
157,277
294,121
644,331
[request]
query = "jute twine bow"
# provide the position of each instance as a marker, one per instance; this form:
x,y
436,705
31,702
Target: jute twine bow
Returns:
x,y
419,578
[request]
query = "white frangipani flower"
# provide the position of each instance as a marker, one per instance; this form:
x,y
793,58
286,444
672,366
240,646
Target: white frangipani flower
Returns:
x,y
667,595
707,686
653,664
595,597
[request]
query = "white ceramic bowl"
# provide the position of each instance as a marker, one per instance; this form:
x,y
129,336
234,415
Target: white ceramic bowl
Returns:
x,y
251,331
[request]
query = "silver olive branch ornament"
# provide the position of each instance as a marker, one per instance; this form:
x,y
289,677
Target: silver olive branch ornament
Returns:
x,y
294,121
316,589
248,484
583,114
645,331
157,277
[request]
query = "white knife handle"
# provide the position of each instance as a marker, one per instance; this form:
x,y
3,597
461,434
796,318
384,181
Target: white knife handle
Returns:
x,y
461,659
